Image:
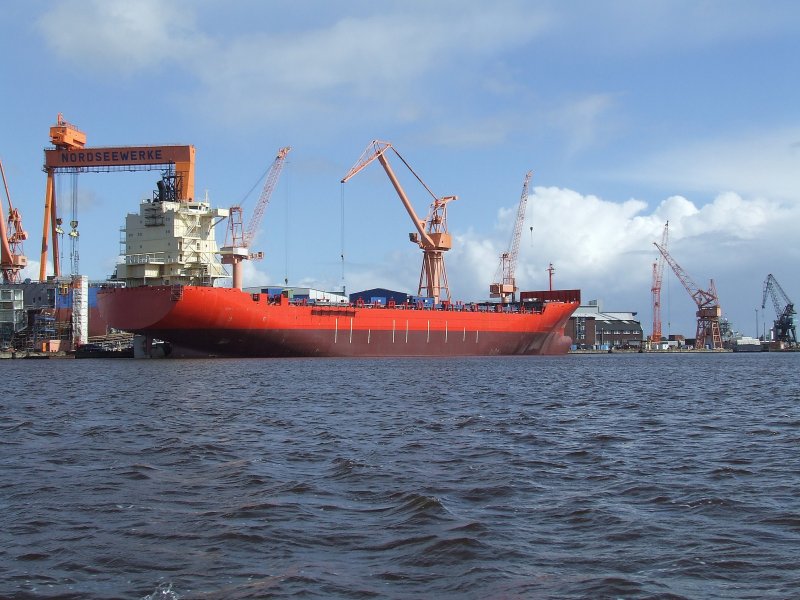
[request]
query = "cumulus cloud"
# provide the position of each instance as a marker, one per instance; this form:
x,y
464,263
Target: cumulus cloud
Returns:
x,y
254,273
31,271
606,249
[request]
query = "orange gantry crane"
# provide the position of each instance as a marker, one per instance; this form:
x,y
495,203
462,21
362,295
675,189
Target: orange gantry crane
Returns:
x,y
12,260
505,286
655,289
431,233
71,155
241,239
708,309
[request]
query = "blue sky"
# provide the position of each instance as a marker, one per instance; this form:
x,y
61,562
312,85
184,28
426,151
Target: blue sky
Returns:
x,y
628,113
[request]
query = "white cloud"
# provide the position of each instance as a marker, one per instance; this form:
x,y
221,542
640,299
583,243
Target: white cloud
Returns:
x,y
585,120
31,271
606,249
120,36
254,274
389,58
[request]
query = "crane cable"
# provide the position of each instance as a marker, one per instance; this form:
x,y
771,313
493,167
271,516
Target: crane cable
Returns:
x,y
341,233
286,233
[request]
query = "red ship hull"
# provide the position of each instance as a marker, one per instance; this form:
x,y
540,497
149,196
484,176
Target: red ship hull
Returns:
x,y
230,322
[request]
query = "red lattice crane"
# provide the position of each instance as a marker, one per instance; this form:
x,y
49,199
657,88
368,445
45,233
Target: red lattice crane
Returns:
x,y
505,285
658,275
241,239
12,260
431,235
708,309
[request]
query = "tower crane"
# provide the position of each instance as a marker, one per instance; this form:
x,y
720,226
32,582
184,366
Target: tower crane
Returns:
x,y
239,250
506,286
658,275
431,233
708,309
12,260
784,326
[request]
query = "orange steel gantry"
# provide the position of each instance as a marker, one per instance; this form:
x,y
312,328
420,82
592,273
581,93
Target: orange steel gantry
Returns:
x,y
431,235
655,289
12,260
708,309
71,155
239,249
505,286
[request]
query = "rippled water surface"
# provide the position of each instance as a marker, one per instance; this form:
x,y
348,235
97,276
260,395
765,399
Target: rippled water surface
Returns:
x,y
601,476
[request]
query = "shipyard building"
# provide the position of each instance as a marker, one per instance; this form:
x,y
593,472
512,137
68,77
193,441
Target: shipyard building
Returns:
x,y
592,328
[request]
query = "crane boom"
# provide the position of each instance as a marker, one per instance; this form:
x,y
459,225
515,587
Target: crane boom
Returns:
x,y
523,203
12,260
506,285
266,194
241,239
701,297
658,275
431,236
376,151
708,309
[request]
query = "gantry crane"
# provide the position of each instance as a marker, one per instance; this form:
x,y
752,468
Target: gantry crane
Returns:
x,y
71,155
708,309
431,235
784,326
658,275
239,249
505,286
12,260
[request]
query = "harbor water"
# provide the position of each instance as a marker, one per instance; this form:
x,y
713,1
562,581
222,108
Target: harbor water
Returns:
x,y
582,476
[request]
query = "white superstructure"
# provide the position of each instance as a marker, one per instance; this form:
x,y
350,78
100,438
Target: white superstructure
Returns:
x,y
170,243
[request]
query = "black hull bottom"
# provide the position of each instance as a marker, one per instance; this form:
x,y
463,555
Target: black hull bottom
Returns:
x,y
301,343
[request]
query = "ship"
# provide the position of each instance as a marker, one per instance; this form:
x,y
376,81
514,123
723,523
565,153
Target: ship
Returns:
x,y
166,290
216,321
